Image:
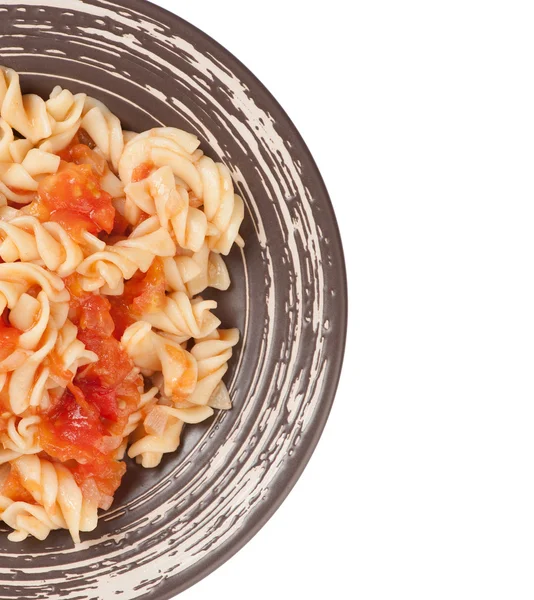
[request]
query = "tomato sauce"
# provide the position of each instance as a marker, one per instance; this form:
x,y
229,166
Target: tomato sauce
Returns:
x,y
142,171
143,293
107,474
9,337
76,200
120,225
73,196
83,422
12,488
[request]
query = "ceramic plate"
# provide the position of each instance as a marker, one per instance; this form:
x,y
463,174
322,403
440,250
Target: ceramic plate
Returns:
x,y
172,525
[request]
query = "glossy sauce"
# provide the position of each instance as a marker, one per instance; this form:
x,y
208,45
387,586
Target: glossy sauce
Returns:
x,y
142,171
73,196
143,293
88,418
9,336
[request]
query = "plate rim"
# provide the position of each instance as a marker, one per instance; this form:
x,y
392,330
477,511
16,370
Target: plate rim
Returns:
x,y
172,586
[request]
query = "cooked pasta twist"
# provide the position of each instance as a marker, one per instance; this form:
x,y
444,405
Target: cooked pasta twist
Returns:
x,y
70,352
26,519
25,238
179,271
160,431
192,273
25,176
39,319
148,448
147,401
21,435
212,355
17,278
210,182
185,318
27,114
153,352
158,195
108,269
105,129
27,381
161,147
54,488
65,110
224,209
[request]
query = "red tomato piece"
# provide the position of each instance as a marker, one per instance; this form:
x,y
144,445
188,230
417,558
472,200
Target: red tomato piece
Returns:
x,y
142,171
9,338
75,199
107,474
144,292
13,488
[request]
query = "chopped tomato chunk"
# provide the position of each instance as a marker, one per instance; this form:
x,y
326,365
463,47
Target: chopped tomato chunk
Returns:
x,y
13,488
9,338
81,138
86,423
80,154
107,474
120,225
75,424
148,293
143,293
74,195
142,171
88,311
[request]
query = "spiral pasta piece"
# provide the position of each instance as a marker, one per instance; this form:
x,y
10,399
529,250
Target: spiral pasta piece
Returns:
x,y
148,449
212,355
65,110
38,319
161,147
25,176
17,278
27,114
21,435
13,151
183,317
223,208
54,488
105,129
26,519
153,352
108,269
158,195
179,271
26,239
71,352
210,270
27,382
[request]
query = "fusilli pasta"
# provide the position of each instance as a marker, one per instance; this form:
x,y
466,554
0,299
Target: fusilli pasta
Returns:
x,y
106,349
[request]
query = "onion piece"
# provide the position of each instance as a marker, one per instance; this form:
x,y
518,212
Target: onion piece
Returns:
x,y
220,398
193,415
109,443
156,421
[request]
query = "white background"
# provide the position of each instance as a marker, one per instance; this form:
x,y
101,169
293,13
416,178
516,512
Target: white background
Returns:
x,y
421,118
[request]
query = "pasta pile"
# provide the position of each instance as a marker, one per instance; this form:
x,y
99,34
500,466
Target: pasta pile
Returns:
x,y
107,238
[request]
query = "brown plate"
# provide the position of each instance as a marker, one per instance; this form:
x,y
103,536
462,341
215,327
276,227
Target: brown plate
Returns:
x,y
172,525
